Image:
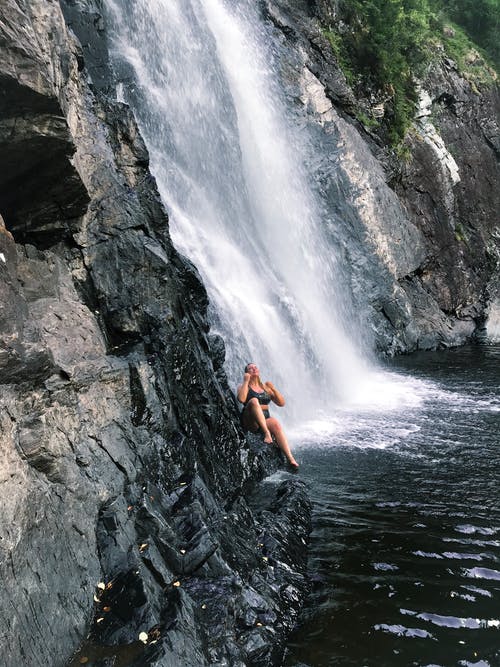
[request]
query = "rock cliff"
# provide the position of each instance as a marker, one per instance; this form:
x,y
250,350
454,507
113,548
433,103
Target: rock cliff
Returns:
x,y
419,235
131,501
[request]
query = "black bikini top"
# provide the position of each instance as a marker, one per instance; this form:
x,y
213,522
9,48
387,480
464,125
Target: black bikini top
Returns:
x,y
262,396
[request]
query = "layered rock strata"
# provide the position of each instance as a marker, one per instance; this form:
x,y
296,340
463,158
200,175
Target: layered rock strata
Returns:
x,y
122,460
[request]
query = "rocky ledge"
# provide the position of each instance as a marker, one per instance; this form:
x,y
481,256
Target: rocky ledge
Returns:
x,y
139,527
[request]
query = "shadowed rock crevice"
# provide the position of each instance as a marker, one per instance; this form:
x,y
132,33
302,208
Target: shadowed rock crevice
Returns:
x,y
41,194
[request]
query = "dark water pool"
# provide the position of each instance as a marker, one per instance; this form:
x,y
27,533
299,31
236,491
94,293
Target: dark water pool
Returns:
x,y
405,552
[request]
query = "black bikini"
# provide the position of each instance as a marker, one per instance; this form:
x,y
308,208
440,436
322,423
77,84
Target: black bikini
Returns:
x,y
262,396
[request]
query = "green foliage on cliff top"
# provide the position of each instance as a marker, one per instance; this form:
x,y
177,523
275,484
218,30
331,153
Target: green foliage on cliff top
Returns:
x,y
388,44
480,19
471,60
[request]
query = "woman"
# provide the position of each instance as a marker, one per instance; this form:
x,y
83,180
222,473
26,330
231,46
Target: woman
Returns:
x,y
256,396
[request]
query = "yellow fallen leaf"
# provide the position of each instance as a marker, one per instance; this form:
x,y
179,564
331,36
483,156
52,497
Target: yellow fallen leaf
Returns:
x,y
96,599
265,558
101,585
106,608
130,507
176,583
143,546
100,620
203,606
143,637
259,624
183,551
83,659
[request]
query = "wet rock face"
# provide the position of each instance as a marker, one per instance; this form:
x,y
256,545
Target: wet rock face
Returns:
x,y
417,239
457,213
122,458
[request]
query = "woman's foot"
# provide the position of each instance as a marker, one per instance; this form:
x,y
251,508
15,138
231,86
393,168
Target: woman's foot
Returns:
x,y
268,438
293,463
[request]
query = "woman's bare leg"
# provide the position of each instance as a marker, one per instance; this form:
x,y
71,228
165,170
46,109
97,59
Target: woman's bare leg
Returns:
x,y
253,418
276,430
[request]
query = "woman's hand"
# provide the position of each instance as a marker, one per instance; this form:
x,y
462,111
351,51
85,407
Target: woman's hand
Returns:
x,y
270,388
242,392
275,394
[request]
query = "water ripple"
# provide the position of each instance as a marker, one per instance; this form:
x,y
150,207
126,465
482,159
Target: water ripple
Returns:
x,y
468,530
482,573
453,621
401,631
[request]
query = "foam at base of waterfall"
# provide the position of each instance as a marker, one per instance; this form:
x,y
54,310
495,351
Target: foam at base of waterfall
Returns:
x,y
387,413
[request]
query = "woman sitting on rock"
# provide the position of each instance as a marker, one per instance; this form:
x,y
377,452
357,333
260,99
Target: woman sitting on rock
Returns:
x,y
256,396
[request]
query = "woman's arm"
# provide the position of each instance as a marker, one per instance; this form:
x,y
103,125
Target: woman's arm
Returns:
x,y
242,392
276,396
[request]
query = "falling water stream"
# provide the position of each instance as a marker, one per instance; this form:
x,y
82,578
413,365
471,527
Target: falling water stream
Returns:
x,y
379,447
229,168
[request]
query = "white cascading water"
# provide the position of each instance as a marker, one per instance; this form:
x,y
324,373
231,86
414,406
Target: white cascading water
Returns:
x,y
227,159
493,322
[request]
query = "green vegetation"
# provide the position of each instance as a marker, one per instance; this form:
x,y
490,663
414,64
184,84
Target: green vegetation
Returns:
x,y
480,20
387,44
368,121
340,51
386,47
471,59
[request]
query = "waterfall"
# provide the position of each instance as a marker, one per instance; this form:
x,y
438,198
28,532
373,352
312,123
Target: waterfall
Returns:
x,y
493,322
228,158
